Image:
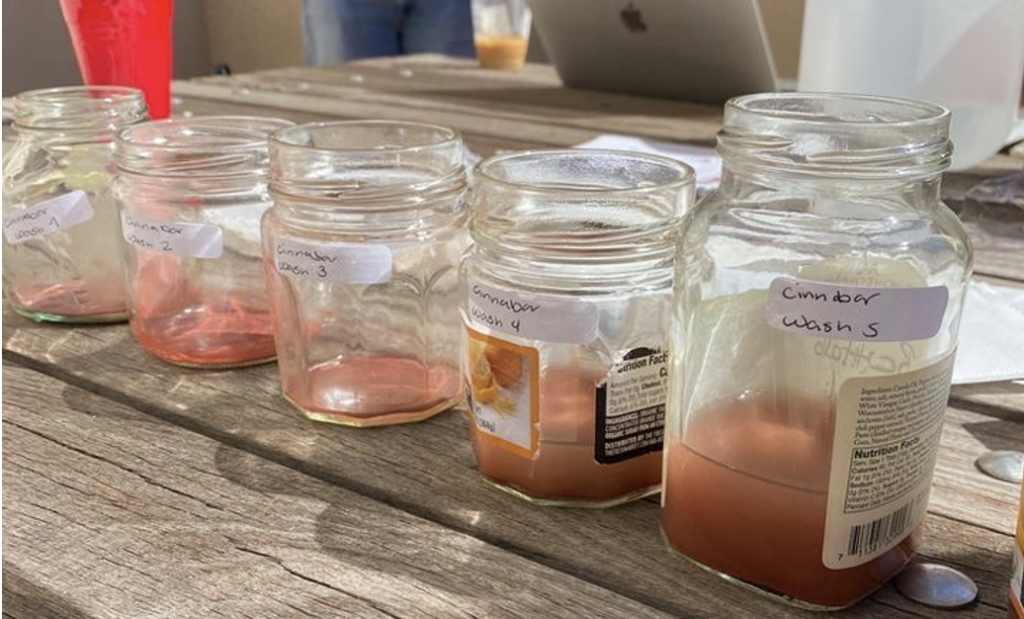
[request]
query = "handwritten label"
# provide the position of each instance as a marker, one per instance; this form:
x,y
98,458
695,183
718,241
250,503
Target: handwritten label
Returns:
x,y
188,240
854,313
47,217
333,262
532,317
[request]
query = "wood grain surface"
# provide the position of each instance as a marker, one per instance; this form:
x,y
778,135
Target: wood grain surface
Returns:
x,y
427,469
135,488
125,515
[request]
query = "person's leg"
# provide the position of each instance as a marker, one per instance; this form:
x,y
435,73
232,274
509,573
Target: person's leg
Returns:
x,y
438,26
340,30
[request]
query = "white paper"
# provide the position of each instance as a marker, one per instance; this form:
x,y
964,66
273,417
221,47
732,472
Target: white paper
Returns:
x,y
337,263
704,160
532,317
991,335
188,240
854,313
47,217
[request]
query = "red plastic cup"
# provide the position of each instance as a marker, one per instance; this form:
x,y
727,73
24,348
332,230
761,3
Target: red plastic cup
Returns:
x,y
124,43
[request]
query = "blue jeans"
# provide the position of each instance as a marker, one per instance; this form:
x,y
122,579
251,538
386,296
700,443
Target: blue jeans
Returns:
x,y
340,30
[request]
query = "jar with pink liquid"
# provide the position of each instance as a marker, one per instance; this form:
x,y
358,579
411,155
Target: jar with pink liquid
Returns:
x,y
566,301
360,251
815,320
60,259
191,193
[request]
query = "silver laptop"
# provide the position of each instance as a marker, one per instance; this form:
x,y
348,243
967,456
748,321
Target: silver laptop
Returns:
x,y
695,50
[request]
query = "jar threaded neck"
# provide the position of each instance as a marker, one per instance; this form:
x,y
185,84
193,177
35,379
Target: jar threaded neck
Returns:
x,y
835,136
79,108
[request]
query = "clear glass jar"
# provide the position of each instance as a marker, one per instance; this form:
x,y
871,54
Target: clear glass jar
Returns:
x,y
59,263
565,298
360,250
815,320
191,194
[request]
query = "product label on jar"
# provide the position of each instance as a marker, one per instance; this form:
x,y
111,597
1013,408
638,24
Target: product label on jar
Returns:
x,y
187,240
47,217
1017,575
335,263
532,317
1017,580
855,313
504,392
631,407
886,438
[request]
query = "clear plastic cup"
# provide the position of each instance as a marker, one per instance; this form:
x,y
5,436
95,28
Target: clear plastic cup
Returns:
x,y
501,32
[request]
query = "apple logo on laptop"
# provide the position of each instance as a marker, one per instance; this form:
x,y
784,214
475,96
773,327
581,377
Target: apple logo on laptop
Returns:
x,y
633,19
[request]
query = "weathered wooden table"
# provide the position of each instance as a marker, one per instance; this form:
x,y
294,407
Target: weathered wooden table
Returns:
x,y
138,489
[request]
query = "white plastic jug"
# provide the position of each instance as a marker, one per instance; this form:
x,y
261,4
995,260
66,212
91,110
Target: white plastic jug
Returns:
x,y
967,55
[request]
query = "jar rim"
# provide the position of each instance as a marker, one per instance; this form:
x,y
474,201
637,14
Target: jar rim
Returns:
x,y
244,132
79,107
198,146
450,137
835,136
931,113
485,170
59,93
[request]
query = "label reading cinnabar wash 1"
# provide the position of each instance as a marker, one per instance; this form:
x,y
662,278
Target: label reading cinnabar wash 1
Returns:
x,y
47,217
886,440
631,407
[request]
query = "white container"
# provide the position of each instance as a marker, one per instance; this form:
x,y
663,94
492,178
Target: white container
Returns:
x,y
965,55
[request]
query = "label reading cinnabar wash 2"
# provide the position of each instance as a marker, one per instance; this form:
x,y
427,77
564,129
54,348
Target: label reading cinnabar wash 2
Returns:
x,y
178,238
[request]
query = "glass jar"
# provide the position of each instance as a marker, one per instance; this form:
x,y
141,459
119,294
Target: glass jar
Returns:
x,y
565,298
814,325
191,194
59,263
360,251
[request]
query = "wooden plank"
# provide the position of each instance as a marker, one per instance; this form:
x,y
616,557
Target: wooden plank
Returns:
x,y
437,83
470,90
1003,399
112,513
482,145
510,111
427,469
364,107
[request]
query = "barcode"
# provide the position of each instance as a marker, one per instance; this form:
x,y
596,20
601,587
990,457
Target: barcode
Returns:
x,y
870,536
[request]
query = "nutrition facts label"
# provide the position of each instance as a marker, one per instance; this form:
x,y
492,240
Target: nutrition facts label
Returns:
x,y
886,439
631,407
